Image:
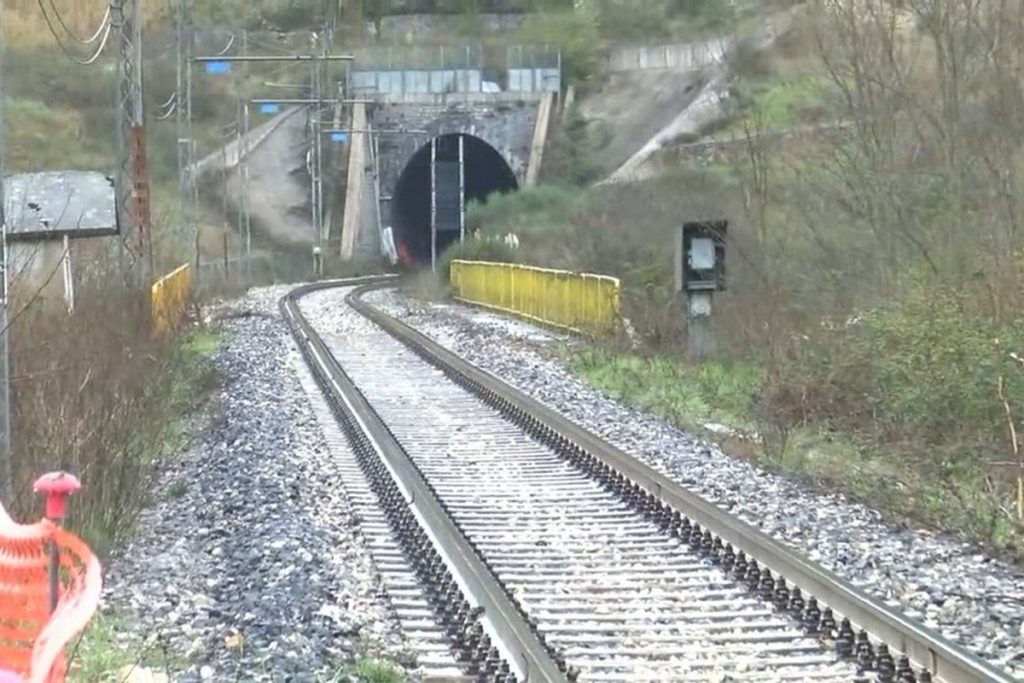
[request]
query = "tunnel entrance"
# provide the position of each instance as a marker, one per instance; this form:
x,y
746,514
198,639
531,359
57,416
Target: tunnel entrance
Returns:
x,y
485,172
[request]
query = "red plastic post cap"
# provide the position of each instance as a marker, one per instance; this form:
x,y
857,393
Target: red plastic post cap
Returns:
x,y
56,486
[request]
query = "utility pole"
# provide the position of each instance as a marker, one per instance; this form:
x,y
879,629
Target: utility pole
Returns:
x,y
187,187
133,181
245,224
222,64
316,149
244,181
224,200
6,489
240,201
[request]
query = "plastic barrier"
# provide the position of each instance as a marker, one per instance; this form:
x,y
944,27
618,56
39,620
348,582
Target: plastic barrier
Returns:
x,y
580,302
32,639
168,298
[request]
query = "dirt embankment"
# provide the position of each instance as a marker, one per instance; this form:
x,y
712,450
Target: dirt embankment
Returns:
x,y
279,185
644,111
633,106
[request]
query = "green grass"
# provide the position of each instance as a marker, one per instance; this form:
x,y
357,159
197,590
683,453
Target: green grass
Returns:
x,y
786,102
684,394
896,476
779,102
43,137
191,374
106,652
369,670
177,490
202,345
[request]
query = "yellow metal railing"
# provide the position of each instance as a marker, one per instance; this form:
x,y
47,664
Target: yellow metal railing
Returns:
x,y
580,302
168,299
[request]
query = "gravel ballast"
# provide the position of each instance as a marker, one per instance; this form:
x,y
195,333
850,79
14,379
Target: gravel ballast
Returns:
x,y
247,565
953,587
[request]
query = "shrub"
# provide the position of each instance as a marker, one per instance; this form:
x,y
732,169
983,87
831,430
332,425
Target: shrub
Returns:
x,y
532,212
576,33
570,157
922,363
477,248
95,395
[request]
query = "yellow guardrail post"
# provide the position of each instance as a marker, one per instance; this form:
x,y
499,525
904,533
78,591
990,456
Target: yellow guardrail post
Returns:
x,y
580,302
168,298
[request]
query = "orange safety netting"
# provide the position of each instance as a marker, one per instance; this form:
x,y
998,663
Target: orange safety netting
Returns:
x,y
32,640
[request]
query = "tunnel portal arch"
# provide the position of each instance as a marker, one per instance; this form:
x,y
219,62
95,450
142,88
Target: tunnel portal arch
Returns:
x,y
485,172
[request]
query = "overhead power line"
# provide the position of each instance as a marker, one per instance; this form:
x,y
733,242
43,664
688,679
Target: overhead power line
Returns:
x,y
168,107
227,47
64,48
67,29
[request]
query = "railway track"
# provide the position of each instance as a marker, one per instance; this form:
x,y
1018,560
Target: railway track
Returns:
x,y
517,546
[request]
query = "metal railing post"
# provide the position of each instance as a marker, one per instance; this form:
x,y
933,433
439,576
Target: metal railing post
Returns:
x,y
56,486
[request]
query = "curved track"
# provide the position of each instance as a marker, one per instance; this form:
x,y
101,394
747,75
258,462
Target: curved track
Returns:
x,y
543,553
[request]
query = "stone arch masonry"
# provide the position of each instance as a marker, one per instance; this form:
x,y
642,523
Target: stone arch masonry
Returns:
x,y
506,121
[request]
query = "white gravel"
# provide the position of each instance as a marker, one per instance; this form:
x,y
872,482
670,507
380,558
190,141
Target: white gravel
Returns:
x,y
955,588
246,565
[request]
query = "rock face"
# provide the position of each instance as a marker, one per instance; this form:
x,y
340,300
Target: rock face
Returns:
x,y
953,587
247,565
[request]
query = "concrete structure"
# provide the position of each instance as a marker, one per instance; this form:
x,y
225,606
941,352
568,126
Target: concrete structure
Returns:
x,y
502,133
680,56
58,223
493,116
448,125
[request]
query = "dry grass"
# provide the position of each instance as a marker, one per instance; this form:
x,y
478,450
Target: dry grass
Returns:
x,y
93,394
24,25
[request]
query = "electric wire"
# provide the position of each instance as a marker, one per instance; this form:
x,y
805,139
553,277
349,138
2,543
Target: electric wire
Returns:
x,y
64,48
71,34
172,98
169,113
227,47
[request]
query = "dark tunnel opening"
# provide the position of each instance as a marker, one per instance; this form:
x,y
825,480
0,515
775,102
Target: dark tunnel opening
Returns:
x,y
486,172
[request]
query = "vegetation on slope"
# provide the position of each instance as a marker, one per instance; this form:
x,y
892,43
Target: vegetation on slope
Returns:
x,y
870,336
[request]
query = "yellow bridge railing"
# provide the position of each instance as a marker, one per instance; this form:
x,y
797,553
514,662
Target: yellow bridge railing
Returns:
x,y
168,298
580,302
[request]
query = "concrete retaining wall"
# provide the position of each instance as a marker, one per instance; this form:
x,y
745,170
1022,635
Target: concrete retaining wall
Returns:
x,y
685,56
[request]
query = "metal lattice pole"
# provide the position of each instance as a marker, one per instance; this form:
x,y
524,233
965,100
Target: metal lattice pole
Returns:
x,y
6,489
186,146
247,219
126,22
316,149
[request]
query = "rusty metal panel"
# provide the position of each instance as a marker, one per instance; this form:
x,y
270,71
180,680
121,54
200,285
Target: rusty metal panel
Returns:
x,y
140,177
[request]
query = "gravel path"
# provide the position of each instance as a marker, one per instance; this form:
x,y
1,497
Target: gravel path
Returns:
x,y
952,587
247,564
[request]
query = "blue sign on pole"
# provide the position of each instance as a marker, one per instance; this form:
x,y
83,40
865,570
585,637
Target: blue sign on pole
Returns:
x,y
339,137
218,67
269,108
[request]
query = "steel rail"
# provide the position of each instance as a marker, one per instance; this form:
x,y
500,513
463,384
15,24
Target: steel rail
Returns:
x,y
947,661
517,635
